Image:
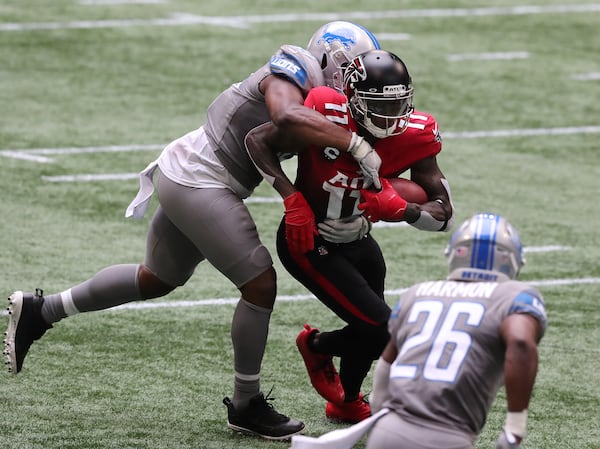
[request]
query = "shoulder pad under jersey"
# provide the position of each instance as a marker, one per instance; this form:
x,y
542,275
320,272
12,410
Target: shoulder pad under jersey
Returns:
x,y
321,95
298,66
530,301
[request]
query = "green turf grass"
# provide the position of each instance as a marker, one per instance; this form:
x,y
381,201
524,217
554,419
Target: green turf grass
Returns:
x,y
155,378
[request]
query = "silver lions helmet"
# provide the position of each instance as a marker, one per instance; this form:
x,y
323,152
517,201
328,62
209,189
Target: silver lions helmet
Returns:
x,y
483,247
337,43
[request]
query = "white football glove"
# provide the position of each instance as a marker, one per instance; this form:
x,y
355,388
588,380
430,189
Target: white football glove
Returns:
x,y
507,440
344,230
367,158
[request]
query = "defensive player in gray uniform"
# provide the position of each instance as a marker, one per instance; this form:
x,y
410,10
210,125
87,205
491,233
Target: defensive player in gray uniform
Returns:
x,y
454,343
201,180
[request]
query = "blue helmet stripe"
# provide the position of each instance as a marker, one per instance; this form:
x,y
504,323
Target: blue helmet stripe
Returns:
x,y
371,36
484,242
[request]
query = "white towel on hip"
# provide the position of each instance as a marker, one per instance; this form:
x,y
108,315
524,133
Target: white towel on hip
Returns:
x,y
137,208
340,438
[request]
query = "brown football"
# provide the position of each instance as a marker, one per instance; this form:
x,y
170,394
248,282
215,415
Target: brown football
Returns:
x,y
409,190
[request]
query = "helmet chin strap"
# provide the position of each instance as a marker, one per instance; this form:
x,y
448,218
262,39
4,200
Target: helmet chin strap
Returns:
x,y
376,131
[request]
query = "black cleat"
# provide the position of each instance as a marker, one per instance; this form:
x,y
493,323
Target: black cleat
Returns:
x,y
260,418
25,325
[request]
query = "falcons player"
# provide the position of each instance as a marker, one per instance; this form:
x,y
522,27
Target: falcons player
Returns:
x,y
330,250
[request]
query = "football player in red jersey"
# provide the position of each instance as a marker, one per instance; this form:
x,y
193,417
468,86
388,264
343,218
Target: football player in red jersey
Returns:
x,y
324,239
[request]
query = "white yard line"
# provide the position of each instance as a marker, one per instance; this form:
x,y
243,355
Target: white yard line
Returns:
x,y
293,298
91,177
488,56
546,249
592,76
40,154
246,21
120,2
393,36
521,132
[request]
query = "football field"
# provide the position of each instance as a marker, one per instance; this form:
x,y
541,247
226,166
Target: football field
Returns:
x,y
92,90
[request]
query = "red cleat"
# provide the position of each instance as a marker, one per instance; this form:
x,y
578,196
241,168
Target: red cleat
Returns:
x,y
323,375
348,412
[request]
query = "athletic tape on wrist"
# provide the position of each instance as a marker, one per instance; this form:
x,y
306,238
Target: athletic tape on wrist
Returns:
x,y
356,148
516,423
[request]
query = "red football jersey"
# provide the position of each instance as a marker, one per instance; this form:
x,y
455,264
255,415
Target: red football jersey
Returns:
x,y
330,179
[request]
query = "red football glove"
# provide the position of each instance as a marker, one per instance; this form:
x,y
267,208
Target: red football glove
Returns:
x,y
383,205
300,227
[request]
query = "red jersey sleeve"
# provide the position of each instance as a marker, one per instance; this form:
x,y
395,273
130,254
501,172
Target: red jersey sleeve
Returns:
x,y
420,140
330,103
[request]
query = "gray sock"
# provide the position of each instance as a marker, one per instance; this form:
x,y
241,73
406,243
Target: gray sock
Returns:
x,y
109,287
249,331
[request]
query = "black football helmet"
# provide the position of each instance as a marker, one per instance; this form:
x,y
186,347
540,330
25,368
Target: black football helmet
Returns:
x,y
379,92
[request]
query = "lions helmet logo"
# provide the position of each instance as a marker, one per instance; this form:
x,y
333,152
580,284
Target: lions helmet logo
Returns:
x,y
347,40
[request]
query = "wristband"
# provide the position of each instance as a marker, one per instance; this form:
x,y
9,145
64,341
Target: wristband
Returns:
x,y
356,147
516,423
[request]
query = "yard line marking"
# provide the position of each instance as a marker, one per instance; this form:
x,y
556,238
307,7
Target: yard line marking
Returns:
x,y
26,153
592,76
560,282
100,149
38,154
546,249
246,21
119,2
521,132
393,36
91,178
292,298
488,56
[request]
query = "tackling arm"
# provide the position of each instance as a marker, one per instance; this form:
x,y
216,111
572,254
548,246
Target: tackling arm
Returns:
x,y
263,143
286,108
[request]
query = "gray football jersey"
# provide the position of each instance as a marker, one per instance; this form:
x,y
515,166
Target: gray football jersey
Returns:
x,y
242,107
450,361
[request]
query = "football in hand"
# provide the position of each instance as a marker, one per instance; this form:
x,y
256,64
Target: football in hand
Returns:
x,y
409,190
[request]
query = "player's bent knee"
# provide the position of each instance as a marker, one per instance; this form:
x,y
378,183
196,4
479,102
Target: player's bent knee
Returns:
x,y
150,285
262,290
